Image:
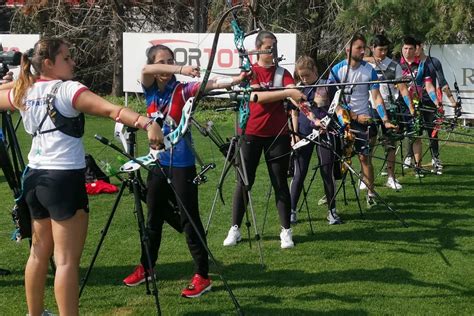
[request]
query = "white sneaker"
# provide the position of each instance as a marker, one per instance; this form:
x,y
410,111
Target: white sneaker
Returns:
x,y
437,166
293,217
371,201
393,184
233,237
286,237
436,162
362,186
322,201
419,174
333,218
407,162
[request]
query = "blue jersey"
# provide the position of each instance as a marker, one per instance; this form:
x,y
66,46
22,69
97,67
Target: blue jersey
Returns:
x,y
170,103
305,127
356,96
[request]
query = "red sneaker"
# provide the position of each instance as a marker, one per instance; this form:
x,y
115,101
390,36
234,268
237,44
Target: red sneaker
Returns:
x,y
137,277
197,287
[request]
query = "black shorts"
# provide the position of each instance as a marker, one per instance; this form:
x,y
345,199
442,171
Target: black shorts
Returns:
x,y
363,134
55,193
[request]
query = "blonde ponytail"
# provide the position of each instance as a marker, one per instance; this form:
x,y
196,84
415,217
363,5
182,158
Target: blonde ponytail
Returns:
x,y
25,81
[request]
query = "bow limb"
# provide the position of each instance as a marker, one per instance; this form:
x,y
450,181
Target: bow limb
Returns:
x,y
244,63
210,63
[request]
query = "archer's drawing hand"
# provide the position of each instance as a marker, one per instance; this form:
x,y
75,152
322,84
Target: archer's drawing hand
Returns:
x,y
191,71
296,95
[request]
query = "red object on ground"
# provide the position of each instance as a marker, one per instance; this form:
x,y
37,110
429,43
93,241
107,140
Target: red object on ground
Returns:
x,y
100,186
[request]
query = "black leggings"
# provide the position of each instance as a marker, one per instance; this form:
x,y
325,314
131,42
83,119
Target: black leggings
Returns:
x,y
277,158
161,202
326,166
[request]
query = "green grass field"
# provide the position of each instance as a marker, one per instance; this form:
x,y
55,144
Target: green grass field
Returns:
x,y
369,265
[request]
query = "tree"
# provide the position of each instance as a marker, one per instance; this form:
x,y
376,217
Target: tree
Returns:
x,y
95,29
435,21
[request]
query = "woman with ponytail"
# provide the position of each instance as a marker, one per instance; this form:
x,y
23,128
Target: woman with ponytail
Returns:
x,y
53,185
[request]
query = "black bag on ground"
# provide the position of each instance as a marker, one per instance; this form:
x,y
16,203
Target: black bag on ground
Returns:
x,y
93,172
22,220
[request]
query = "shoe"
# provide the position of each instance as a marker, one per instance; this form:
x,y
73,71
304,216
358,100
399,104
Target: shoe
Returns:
x,y
419,173
286,237
333,218
136,277
407,162
436,162
362,186
437,166
233,237
197,287
371,201
393,183
293,217
384,172
323,201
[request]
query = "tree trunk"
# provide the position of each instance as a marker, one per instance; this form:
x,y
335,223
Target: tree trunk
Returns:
x,y
200,16
117,29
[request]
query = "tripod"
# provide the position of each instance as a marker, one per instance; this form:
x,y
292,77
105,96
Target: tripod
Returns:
x,y
13,166
234,158
145,238
135,185
358,176
343,186
305,196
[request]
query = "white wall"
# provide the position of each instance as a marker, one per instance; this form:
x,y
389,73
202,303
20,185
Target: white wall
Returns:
x,y
191,48
458,62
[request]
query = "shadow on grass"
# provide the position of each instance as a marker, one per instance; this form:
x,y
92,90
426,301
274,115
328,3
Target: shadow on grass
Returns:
x,y
251,276
289,311
244,277
434,231
15,278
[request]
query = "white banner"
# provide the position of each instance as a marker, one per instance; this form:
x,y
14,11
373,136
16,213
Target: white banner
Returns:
x,y
458,63
195,49
19,43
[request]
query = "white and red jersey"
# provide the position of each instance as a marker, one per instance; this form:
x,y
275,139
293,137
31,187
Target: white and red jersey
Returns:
x,y
267,119
52,150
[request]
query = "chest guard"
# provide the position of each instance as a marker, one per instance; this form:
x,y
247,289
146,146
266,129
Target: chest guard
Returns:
x,y
71,126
